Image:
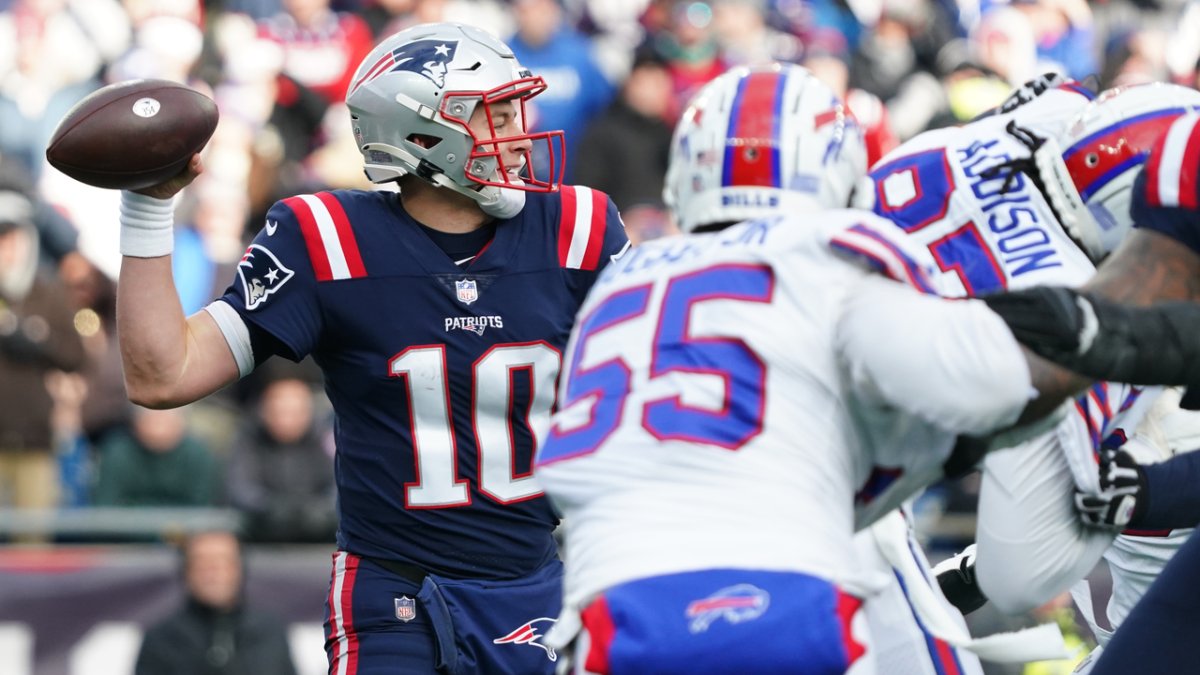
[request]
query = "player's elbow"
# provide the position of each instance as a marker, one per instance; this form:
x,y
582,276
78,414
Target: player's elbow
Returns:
x,y
153,395
1009,593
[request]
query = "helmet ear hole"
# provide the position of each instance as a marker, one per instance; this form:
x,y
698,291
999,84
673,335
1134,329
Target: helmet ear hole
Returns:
x,y
424,141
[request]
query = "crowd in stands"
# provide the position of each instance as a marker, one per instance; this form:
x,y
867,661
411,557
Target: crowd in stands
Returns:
x,y
618,73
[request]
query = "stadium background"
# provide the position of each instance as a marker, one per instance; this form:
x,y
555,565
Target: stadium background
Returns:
x,y
85,535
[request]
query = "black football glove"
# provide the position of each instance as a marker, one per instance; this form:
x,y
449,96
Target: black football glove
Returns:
x,y
1116,505
1103,339
956,578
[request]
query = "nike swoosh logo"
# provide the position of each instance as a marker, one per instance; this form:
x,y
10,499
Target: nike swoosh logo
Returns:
x,y
271,227
467,259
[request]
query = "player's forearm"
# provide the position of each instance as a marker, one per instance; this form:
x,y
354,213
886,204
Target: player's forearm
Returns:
x,y
1146,268
151,329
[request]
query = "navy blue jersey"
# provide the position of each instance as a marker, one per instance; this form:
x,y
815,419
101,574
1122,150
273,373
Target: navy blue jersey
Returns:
x,y
442,378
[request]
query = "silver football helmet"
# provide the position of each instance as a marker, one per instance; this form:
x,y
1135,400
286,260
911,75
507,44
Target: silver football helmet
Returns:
x,y
411,103
763,140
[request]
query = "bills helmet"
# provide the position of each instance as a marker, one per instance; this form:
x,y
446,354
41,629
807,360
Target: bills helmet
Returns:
x,y
413,97
1089,170
757,141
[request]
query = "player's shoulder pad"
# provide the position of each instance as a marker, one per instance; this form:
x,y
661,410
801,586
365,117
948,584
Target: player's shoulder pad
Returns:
x,y
584,218
322,222
880,245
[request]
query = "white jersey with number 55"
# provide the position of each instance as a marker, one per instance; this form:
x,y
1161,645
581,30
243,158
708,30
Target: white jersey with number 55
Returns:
x,y
721,391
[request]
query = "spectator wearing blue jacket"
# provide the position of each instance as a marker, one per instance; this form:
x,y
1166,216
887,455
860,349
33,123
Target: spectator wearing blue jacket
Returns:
x,y
577,88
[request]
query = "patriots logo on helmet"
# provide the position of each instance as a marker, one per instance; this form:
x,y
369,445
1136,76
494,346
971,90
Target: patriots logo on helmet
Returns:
x,y
261,275
735,604
428,58
531,633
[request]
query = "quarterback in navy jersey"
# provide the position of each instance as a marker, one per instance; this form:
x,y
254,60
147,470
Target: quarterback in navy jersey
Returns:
x,y
438,314
456,363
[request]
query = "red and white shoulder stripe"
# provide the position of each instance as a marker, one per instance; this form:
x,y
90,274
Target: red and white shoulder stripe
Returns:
x,y
1171,171
581,227
332,247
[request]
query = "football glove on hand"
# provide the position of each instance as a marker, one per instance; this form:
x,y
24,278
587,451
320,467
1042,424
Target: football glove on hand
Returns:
x,y
1103,339
1121,483
956,578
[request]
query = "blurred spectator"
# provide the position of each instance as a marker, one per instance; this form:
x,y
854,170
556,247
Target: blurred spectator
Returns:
x,y
280,472
157,462
690,48
71,449
321,47
898,63
624,151
745,37
51,53
213,633
1062,31
576,88
37,337
93,296
164,47
1134,57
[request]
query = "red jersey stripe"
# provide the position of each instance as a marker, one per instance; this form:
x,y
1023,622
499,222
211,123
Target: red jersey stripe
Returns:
x,y
566,224
312,238
599,224
345,235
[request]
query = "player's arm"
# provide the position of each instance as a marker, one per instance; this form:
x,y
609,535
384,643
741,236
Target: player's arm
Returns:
x,y
169,359
1148,267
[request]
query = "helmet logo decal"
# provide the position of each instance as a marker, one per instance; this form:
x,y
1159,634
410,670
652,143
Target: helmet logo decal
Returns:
x,y
752,153
428,58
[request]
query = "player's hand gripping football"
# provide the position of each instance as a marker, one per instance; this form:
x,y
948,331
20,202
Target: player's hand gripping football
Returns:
x,y
168,188
1121,484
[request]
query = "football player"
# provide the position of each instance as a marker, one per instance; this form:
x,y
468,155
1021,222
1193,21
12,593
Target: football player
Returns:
x,y
1038,195
1159,261
438,316
726,388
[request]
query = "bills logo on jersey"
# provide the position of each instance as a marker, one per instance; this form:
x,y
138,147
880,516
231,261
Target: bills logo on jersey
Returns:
x,y
735,604
531,633
466,290
261,274
406,608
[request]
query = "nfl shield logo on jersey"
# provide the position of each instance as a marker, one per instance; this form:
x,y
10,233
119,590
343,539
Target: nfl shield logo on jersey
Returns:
x,y
466,290
406,608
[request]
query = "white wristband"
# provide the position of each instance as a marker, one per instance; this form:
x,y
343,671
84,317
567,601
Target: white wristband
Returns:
x,y
147,225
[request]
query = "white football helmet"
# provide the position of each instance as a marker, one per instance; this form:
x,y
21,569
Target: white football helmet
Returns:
x,y
1088,172
758,141
412,98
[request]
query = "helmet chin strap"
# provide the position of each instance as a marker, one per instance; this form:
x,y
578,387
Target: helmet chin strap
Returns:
x,y
497,202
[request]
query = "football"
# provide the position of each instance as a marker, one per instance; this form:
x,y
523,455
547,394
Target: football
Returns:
x,y
131,135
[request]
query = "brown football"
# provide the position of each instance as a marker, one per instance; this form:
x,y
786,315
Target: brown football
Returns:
x,y
131,135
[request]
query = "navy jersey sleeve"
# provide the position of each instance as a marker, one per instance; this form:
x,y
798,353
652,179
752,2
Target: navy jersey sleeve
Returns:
x,y
616,240
1166,194
275,287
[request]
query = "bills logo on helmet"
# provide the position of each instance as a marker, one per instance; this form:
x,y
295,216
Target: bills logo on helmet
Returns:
x,y
531,633
735,604
261,274
429,58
